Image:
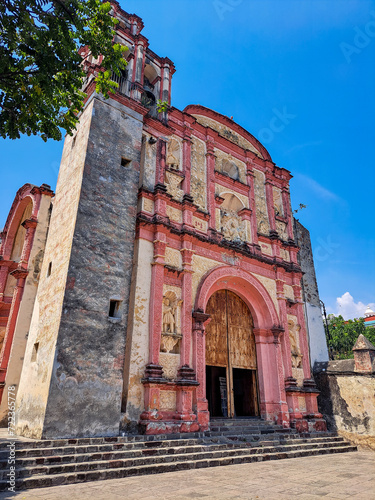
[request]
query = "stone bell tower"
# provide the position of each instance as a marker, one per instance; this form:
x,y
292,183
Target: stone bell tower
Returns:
x,y
73,384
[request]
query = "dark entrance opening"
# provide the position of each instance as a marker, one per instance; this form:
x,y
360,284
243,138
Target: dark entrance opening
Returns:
x,y
244,392
216,389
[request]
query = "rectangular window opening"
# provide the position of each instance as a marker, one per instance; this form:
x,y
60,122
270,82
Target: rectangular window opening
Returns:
x,y
125,162
49,270
114,309
34,354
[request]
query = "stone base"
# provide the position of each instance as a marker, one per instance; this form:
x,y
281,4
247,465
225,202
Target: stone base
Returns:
x,y
308,424
164,427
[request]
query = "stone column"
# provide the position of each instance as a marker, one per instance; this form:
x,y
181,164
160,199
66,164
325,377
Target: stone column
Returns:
x,y
199,365
268,374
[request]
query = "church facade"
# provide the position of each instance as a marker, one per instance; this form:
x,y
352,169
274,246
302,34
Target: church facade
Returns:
x,y
171,288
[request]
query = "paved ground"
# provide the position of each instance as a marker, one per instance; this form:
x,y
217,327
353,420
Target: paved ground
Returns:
x,y
331,477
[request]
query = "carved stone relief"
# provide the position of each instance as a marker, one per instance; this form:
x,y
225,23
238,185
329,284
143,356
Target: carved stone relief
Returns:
x,y
278,201
200,224
171,313
296,354
174,214
281,229
266,248
233,227
232,167
170,363
228,133
173,182
173,257
168,400
284,254
260,203
147,205
288,292
173,159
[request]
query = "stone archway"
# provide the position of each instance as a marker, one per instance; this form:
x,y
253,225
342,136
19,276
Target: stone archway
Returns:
x,y
231,365
266,330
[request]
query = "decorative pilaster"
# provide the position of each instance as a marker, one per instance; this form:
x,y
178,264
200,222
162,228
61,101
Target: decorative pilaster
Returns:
x,y
186,319
154,370
200,319
278,335
285,342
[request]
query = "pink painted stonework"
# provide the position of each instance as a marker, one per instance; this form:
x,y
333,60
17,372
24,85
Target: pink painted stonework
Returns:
x,y
175,294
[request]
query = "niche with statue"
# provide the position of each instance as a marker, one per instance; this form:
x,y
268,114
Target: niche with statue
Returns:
x,y
171,335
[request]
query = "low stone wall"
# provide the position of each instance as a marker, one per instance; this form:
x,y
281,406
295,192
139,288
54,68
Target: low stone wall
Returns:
x,y
347,400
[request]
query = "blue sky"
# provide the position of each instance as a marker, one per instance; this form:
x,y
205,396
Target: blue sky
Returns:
x,y
309,61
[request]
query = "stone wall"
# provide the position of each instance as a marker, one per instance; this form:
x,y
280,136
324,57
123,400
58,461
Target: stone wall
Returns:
x,y
347,400
310,293
74,387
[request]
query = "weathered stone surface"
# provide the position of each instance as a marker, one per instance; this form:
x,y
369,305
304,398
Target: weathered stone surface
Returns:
x,y
84,395
347,401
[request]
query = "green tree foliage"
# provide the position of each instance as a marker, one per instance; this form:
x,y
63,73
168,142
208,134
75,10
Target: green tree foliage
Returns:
x,y
40,68
344,334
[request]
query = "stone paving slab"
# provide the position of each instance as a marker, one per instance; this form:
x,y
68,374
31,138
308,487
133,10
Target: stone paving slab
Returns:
x,y
328,477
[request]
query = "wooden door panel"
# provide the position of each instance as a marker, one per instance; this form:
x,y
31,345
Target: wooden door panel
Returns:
x,y
240,334
216,331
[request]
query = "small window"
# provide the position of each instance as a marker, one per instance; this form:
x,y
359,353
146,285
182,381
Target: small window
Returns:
x,y
74,141
114,309
49,270
125,162
34,354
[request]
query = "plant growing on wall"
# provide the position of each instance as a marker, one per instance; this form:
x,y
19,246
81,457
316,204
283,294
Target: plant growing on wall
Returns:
x,y
40,67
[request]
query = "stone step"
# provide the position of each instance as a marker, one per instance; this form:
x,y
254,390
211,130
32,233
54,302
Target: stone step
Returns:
x,y
83,455
54,479
50,451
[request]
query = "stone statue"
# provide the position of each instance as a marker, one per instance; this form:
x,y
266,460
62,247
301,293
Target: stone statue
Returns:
x,y
169,320
294,349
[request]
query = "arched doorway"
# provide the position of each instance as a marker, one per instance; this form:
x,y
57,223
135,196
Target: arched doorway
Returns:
x,y
231,367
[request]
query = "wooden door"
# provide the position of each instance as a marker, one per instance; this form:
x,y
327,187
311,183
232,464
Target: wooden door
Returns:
x,y
230,343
